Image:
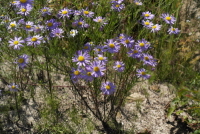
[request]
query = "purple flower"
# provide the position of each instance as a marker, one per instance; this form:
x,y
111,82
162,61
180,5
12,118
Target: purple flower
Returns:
x,y
87,75
38,28
138,2
57,32
96,68
101,59
82,58
29,26
121,37
100,20
99,49
117,7
77,12
13,87
135,53
34,40
80,23
143,44
112,46
148,60
64,13
147,23
24,3
127,41
155,28
119,66
142,73
169,19
108,88
87,13
51,24
87,47
46,11
16,43
22,60
148,15
25,10
173,30
117,1
76,74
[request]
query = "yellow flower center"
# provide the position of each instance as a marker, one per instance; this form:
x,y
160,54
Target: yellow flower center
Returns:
x,y
85,47
146,23
28,26
23,1
153,27
137,3
20,60
101,58
168,18
116,5
44,10
135,51
96,69
12,25
173,29
146,58
107,87
118,66
81,58
16,42
80,23
14,2
89,73
143,73
146,15
34,39
76,72
86,12
100,20
49,24
111,45
64,12
120,37
141,44
13,87
127,41
98,49
23,10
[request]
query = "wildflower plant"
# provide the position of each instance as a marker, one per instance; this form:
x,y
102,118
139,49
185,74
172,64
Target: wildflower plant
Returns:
x,y
102,49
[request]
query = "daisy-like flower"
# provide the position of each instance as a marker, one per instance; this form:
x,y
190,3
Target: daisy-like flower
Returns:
x,y
108,88
127,42
117,1
73,32
99,49
117,7
24,3
119,66
64,13
29,26
82,58
138,2
77,13
96,68
100,20
147,23
143,44
135,53
101,58
25,10
57,32
87,46
45,11
112,46
142,73
38,28
148,15
148,60
76,74
13,87
22,61
155,28
13,25
16,43
87,13
173,30
80,23
51,24
87,75
34,40
169,19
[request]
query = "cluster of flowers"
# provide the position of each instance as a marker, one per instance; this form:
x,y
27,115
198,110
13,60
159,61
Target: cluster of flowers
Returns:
x,y
169,19
90,68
